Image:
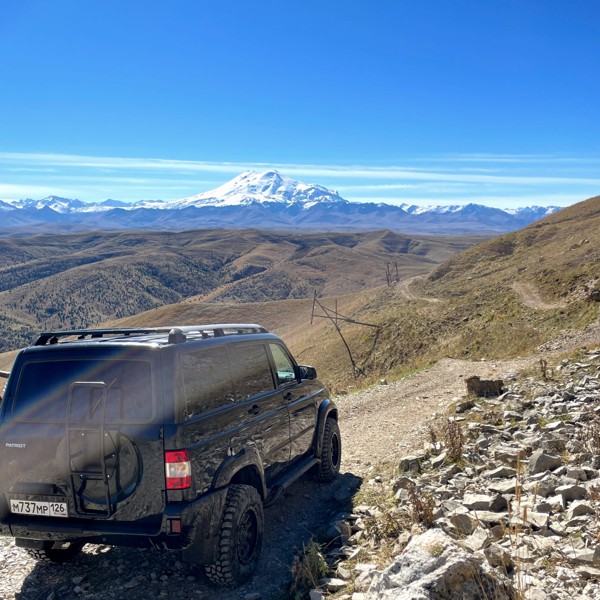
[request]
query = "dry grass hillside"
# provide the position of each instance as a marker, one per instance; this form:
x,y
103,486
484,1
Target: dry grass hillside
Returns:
x,y
80,280
501,298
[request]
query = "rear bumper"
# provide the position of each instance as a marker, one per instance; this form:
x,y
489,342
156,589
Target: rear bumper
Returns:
x,y
189,526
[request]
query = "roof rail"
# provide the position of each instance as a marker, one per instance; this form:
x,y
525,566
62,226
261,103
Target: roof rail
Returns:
x,y
222,329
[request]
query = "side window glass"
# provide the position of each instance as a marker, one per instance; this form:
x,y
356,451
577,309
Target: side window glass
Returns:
x,y
206,380
283,365
251,370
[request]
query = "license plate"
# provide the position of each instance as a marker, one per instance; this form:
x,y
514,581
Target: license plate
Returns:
x,y
39,508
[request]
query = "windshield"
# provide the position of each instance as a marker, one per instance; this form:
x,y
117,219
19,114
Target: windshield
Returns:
x,y
44,389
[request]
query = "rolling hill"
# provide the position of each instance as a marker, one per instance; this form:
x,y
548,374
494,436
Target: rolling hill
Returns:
x,y
503,297
80,280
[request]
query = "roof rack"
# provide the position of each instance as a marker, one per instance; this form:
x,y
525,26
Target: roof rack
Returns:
x,y
176,334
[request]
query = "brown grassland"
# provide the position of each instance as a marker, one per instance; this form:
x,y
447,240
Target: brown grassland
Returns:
x,y
500,298
81,280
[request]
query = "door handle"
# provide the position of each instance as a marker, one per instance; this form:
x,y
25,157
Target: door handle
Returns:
x,y
254,410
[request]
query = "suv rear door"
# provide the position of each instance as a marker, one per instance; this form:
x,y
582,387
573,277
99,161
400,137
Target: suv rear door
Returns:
x,y
81,436
301,403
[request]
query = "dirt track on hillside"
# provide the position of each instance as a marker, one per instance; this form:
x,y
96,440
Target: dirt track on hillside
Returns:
x,y
404,289
388,421
391,420
530,296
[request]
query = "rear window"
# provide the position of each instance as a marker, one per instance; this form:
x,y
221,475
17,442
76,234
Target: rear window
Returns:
x,y
122,389
206,380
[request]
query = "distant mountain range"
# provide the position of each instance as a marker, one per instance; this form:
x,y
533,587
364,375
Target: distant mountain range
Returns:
x,y
265,200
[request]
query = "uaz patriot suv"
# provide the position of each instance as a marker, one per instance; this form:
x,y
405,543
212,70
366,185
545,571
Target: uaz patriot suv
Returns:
x,y
170,438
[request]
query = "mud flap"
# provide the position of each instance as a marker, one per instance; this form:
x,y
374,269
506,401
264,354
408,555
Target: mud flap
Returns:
x,y
204,526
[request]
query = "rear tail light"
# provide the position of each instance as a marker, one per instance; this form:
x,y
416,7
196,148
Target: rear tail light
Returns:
x,y
178,470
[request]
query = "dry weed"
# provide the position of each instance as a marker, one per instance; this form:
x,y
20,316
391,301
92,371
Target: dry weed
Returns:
x,y
422,506
307,569
453,440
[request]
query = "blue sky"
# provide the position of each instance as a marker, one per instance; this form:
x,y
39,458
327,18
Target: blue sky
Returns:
x,y
435,101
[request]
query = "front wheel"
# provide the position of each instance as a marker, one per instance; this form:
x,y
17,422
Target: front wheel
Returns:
x,y
331,452
240,537
48,554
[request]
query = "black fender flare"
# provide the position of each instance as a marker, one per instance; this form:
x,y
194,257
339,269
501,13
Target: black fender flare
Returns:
x,y
232,465
201,548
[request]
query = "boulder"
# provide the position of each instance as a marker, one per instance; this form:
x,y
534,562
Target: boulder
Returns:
x,y
434,567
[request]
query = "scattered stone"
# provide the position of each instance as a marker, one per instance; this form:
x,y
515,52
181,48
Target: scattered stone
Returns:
x,y
485,388
332,584
463,523
571,492
541,462
503,487
499,557
464,406
520,522
500,473
409,464
579,508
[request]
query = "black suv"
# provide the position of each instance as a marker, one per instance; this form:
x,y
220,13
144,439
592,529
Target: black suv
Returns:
x,y
169,438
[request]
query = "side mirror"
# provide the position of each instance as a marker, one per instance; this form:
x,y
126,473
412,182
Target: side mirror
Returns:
x,y
307,372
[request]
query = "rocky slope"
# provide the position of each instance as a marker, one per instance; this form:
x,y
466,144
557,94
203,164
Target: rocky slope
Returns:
x,y
511,486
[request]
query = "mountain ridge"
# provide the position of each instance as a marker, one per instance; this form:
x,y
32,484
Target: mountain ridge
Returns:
x,y
266,200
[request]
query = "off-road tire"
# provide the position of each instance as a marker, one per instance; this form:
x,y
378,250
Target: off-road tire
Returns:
x,y
240,537
48,554
331,452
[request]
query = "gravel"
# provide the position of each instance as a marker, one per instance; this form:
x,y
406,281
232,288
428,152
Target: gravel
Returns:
x,y
104,572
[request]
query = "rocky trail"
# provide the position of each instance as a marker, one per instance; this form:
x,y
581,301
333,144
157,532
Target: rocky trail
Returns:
x,y
382,423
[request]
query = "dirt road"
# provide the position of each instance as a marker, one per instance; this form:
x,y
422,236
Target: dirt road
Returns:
x,y
387,421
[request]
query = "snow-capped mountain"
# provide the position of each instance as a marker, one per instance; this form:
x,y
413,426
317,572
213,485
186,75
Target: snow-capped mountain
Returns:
x,y
264,188
64,205
413,209
535,212
56,203
267,200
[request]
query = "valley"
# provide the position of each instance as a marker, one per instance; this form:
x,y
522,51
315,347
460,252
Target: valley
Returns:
x,y
499,299
82,280
451,296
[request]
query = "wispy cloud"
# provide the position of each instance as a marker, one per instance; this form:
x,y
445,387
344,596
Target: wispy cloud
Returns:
x,y
501,179
305,170
509,158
